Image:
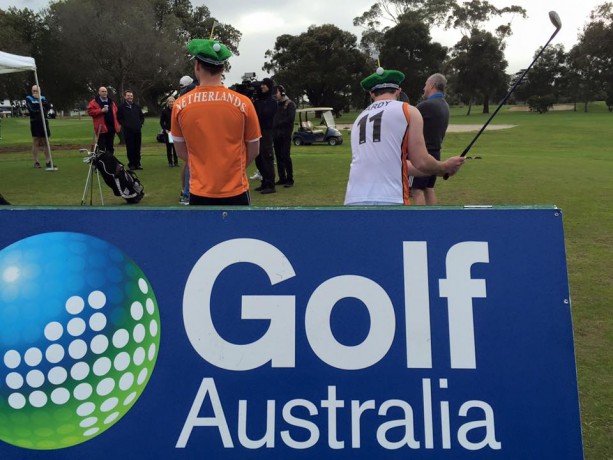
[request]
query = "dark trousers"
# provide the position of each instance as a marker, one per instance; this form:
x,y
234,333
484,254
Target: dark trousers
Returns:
x,y
133,143
240,200
283,142
171,154
105,141
265,161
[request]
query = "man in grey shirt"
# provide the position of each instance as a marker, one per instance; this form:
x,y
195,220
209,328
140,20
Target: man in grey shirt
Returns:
x,y
435,112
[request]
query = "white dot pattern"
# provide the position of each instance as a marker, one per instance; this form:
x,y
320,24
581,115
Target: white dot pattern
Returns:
x,y
33,357
55,353
122,361
83,391
97,322
86,409
97,300
126,381
12,359
35,378
137,311
142,284
75,362
151,352
91,432
60,396
153,328
139,356
105,387
79,371
54,331
121,338
99,344
17,401
14,381
109,404
38,399
75,305
111,418
76,327
89,421
57,375
102,366
77,349
139,333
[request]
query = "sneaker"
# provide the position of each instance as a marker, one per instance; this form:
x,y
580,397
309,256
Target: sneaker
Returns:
x,y
37,165
281,182
259,189
184,200
256,176
289,184
49,167
266,191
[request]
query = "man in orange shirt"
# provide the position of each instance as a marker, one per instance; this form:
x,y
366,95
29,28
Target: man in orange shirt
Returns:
x,y
216,131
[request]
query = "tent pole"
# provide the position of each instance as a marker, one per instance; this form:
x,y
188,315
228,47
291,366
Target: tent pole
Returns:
x,y
42,116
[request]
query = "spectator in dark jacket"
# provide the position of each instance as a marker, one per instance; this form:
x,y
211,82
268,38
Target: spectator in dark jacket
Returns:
x,y
283,126
131,118
165,119
266,107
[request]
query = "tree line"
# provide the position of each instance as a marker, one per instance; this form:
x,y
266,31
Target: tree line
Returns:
x,y
81,44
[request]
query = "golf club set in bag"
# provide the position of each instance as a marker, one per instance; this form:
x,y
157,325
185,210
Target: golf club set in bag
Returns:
x,y
557,23
123,182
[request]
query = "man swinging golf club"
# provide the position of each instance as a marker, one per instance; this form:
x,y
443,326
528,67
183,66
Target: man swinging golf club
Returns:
x,y
387,145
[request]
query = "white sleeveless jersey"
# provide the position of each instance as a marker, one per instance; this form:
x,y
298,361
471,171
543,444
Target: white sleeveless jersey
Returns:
x,y
379,147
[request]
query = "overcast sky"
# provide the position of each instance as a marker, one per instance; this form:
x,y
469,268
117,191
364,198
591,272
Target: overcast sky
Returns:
x,y
261,21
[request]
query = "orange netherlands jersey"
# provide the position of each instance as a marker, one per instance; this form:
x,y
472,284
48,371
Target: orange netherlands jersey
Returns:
x,y
215,123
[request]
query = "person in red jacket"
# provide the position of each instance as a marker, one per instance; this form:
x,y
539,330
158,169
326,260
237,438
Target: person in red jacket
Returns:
x,y
104,114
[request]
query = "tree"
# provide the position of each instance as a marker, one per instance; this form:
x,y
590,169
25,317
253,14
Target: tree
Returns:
x,y
407,47
592,58
20,33
546,78
478,58
478,68
391,12
324,64
138,45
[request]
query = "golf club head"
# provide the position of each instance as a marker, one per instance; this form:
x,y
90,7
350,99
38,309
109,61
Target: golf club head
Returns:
x,y
555,20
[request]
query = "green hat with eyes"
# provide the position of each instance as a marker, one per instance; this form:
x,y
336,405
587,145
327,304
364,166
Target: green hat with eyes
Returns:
x,y
382,79
208,51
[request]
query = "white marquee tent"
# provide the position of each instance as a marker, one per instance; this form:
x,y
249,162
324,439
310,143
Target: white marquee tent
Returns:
x,y
11,63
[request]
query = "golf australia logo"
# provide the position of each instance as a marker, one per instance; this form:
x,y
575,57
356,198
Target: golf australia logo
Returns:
x,y
79,338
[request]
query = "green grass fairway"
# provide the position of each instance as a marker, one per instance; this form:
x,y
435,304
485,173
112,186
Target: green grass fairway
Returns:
x,y
561,158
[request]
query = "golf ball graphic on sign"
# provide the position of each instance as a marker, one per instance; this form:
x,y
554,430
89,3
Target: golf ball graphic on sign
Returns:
x,y
79,337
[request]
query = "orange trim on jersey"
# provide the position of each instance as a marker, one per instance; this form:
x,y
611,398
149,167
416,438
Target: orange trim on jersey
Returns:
x,y
405,156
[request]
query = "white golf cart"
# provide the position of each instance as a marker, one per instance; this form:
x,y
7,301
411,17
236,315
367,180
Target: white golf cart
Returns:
x,y
325,133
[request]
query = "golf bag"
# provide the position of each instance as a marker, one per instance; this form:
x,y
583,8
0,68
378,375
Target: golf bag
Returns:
x,y
124,183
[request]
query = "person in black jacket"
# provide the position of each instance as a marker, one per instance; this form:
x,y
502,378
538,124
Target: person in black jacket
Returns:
x,y
283,126
266,107
165,116
131,118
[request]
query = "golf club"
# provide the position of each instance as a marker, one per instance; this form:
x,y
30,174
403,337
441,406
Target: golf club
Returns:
x,y
555,20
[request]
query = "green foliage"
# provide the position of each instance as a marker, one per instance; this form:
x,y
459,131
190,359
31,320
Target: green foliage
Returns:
x,y
547,75
323,64
541,104
407,47
477,68
80,45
